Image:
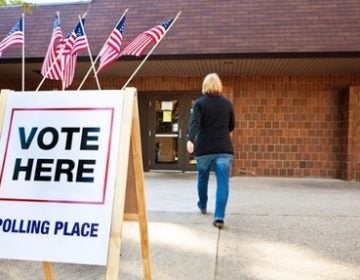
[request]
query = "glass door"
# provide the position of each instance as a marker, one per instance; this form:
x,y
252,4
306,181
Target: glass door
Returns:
x,y
168,120
167,133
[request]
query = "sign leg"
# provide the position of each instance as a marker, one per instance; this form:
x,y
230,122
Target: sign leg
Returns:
x,y
48,272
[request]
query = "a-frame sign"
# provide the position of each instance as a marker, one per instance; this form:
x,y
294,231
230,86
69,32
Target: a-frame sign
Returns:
x,y
70,173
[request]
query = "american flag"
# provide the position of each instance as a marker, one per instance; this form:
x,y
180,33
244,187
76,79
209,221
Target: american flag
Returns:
x,y
52,66
14,38
145,39
111,49
75,42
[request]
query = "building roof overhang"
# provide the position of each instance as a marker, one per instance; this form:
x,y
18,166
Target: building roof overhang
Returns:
x,y
346,63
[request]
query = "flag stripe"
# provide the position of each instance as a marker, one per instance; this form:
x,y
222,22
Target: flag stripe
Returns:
x,y
110,52
139,45
52,66
108,58
14,38
156,33
75,42
115,40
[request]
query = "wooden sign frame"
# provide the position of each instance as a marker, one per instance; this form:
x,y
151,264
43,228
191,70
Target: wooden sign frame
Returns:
x,y
130,174
129,194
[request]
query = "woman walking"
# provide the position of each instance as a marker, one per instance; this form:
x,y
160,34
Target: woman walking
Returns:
x,y
211,123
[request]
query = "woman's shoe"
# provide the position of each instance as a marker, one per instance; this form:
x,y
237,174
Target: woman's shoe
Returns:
x,y
218,223
202,210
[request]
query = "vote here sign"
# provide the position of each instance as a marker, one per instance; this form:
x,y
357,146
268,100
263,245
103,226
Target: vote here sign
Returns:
x,y
57,175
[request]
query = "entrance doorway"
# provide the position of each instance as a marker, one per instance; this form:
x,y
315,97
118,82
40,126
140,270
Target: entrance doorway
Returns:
x,y
168,118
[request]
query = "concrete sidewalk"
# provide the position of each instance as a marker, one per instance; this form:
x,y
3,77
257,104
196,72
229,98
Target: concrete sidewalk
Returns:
x,y
275,229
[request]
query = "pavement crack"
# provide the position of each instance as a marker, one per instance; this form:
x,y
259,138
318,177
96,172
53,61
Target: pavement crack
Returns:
x,y
217,255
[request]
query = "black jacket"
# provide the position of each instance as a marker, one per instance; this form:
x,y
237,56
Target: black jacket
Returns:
x,y
211,122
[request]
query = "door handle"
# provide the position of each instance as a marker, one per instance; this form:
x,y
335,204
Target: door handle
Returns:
x,y
179,133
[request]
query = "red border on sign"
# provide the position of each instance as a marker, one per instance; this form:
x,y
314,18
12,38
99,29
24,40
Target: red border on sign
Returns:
x,y
102,200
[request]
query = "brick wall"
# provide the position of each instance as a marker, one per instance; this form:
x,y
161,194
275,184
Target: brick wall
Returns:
x,y
295,126
353,133
292,126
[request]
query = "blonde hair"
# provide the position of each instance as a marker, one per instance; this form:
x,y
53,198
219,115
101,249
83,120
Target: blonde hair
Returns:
x,y
212,85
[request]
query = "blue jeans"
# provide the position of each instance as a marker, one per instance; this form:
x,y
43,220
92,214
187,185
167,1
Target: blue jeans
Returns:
x,y
222,166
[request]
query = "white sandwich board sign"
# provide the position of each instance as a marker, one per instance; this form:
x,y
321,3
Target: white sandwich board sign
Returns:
x,y
58,158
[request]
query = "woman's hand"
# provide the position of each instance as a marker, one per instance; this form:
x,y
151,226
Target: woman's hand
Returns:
x,y
190,147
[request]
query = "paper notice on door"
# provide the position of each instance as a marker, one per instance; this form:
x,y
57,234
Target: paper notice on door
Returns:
x,y
166,105
167,116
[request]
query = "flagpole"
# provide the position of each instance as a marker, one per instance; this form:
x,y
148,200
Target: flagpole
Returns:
x,y
91,59
151,51
62,61
23,55
98,56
